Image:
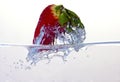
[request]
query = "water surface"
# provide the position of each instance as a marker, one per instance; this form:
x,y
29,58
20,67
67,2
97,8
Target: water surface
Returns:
x,y
94,63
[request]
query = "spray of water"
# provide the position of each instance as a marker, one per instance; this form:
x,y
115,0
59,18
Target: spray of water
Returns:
x,y
64,43
61,51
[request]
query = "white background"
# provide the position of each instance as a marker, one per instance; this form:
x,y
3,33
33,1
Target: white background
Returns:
x,y
18,20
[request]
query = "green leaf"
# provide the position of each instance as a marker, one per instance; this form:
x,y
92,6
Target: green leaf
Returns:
x,y
59,7
75,20
71,13
63,19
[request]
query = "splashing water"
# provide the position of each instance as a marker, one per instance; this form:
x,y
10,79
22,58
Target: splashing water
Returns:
x,y
63,45
62,51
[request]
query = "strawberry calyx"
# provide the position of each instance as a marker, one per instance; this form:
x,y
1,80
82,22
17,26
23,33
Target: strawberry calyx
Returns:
x,y
68,19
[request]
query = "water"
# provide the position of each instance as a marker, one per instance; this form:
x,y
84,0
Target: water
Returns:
x,y
99,62
50,51
63,44
69,60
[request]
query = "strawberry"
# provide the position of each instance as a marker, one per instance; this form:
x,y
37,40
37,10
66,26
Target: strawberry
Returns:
x,y
55,20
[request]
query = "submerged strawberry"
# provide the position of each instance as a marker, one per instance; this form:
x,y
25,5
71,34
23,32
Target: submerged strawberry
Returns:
x,y
55,20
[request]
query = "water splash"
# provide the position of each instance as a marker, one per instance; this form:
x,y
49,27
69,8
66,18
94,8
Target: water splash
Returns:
x,y
64,43
61,51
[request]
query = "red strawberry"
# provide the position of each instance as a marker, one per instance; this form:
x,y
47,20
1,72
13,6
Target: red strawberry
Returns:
x,y
54,20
